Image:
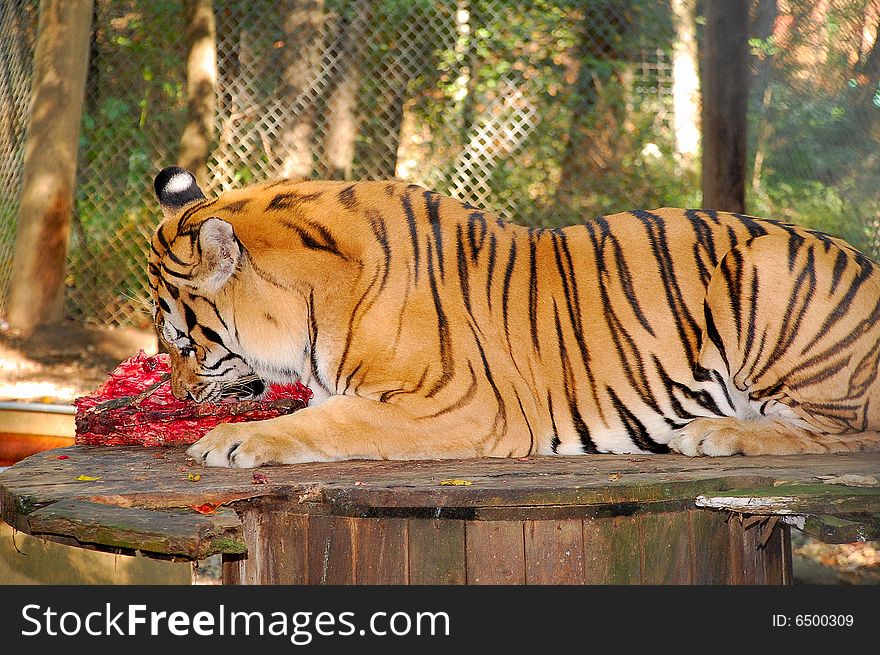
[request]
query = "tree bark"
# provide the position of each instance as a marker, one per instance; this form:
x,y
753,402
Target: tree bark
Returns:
x,y
725,103
201,84
49,172
301,63
341,112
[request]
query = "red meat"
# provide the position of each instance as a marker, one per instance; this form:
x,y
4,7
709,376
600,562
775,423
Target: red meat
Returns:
x,y
135,406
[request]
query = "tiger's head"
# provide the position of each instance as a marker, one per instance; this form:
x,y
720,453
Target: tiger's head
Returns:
x,y
192,261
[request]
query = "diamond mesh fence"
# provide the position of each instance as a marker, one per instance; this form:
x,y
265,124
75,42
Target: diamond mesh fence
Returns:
x,y
546,111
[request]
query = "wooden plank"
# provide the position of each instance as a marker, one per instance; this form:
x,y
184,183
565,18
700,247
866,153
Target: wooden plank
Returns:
x,y
754,561
277,548
160,532
611,551
551,488
710,547
796,499
494,551
380,551
554,552
774,555
330,555
436,552
665,545
737,566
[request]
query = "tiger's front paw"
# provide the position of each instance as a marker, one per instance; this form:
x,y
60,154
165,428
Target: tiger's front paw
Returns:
x,y
248,445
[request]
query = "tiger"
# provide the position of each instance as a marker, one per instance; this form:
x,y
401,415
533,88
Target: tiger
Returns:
x,y
428,328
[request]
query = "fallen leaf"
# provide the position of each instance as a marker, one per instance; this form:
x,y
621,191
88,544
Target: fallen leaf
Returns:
x,y
193,477
205,508
158,455
87,478
778,483
63,457
358,484
614,477
456,483
259,478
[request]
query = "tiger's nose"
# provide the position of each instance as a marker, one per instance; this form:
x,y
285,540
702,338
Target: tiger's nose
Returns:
x,y
179,390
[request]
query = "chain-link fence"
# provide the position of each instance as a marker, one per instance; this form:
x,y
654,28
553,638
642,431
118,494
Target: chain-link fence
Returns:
x,y
544,111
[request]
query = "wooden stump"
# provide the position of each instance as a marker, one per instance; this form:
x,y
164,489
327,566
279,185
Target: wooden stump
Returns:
x,y
663,519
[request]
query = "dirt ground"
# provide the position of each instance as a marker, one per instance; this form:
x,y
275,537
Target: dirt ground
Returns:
x,y
59,363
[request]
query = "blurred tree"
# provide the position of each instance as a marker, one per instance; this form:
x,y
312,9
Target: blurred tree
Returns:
x,y
685,83
301,66
60,64
201,81
725,104
341,115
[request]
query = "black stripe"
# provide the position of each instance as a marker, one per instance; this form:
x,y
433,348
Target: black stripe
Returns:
x,y
354,317
501,412
866,270
731,271
572,302
446,361
635,429
463,270
712,333
554,442
493,242
528,425
580,426
413,232
505,291
686,326
313,335
476,238
840,262
284,201
533,292
234,207
346,198
702,398
189,317
798,304
432,204
380,232
463,400
211,335
320,239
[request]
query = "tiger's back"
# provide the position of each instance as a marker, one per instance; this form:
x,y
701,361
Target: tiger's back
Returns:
x,y
430,328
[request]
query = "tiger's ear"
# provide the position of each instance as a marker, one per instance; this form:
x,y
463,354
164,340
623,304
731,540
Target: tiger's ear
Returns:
x,y
221,253
176,188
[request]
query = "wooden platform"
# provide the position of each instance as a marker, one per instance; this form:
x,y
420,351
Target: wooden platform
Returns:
x,y
591,519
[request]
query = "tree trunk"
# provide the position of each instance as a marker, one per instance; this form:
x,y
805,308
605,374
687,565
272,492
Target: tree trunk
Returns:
x,y
301,63
725,104
685,82
201,83
341,112
49,172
